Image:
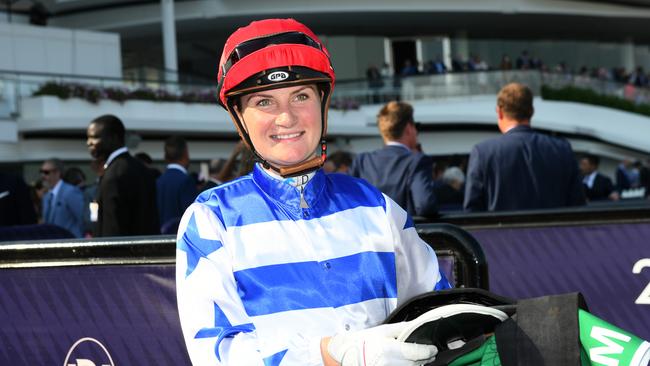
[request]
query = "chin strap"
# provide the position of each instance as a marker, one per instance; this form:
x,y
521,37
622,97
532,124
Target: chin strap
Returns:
x,y
302,168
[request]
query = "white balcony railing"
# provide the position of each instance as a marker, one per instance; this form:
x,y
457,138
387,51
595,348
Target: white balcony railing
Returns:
x,y
347,94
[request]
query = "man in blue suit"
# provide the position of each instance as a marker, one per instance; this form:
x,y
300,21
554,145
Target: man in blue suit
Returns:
x,y
398,169
521,169
175,189
63,204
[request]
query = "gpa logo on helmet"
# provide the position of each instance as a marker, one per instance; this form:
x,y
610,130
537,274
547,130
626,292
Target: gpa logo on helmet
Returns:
x,y
278,76
88,352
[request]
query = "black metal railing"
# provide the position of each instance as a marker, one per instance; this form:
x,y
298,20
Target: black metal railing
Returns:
x,y
450,242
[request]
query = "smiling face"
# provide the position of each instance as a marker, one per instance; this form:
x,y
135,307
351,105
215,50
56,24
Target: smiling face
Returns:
x,y
284,125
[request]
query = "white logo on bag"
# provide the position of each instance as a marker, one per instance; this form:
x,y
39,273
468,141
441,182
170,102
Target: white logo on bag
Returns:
x,y
278,76
606,337
84,361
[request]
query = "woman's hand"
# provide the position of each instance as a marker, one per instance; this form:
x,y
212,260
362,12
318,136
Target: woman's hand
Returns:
x,y
377,346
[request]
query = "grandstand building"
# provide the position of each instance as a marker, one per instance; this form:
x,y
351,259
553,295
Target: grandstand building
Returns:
x,y
108,47
153,64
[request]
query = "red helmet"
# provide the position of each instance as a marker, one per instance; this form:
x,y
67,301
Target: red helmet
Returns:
x,y
271,54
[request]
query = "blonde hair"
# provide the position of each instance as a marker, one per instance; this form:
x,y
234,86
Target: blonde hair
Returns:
x,y
393,118
516,101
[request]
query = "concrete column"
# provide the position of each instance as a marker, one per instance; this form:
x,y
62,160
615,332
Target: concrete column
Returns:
x,y
446,52
388,53
169,40
627,55
419,55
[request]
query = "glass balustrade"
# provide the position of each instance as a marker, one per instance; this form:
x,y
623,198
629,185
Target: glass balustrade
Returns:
x,y
347,95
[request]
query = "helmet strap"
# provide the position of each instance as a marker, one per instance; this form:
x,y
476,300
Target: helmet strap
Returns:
x,y
300,169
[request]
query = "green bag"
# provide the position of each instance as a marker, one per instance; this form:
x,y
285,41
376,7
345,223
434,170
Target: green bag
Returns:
x,y
606,344
550,330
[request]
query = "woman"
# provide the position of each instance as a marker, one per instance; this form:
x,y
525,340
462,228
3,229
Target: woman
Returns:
x,y
287,265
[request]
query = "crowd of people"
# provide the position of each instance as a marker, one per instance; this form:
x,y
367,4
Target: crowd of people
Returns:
x,y
522,169
424,185
637,77
129,195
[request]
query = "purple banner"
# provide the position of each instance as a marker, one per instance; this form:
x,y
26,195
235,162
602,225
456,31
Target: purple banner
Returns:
x,y
90,315
606,263
127,315
93,316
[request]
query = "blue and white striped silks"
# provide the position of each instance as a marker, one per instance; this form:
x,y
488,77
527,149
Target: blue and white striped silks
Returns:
x,y
260,280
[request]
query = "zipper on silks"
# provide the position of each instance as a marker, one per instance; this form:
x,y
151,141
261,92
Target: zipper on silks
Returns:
x,y
303,203
301,188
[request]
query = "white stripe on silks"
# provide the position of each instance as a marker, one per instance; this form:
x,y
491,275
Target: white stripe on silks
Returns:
x,y
222,295
202,351
262,274
329,237
276,328
207,222
356,316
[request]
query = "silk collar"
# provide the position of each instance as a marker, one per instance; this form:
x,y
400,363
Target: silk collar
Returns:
x,y
286,193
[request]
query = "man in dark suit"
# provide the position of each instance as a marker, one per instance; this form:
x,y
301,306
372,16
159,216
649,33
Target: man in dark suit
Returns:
x,y
597,186
16,207
450,192
175,189
523,168
63,204
398,169
126,195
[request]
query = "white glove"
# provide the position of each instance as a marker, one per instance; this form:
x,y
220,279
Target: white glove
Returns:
x,y
378,346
